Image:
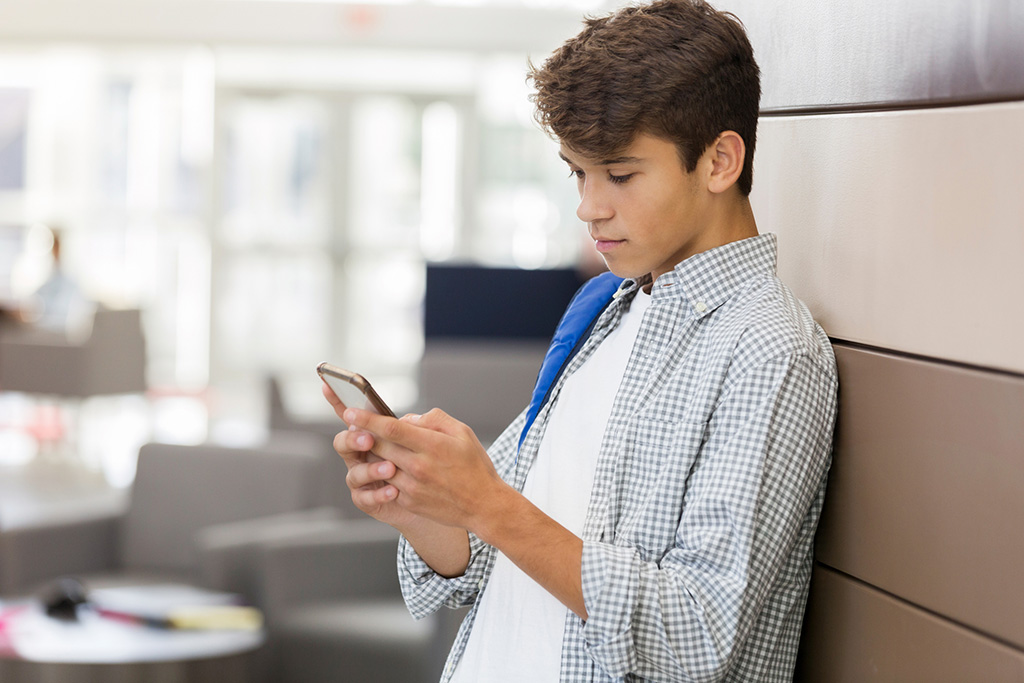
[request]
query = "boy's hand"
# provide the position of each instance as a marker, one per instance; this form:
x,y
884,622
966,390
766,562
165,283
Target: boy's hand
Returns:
x,y
444,475
442,472
368,474
368,477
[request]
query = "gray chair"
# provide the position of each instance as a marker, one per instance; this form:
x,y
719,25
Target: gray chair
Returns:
x,y
332,490
335,611
484,383
328,585
111,360
230,555
178,491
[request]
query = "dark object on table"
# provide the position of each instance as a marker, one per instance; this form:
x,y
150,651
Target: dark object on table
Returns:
x,y
62,597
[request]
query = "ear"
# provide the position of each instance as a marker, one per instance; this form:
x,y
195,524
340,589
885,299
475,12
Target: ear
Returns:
x,y
726,154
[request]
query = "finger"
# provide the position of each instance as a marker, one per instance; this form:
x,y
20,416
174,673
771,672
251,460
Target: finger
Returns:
x,y
440,421
354,446
350,440
367,499
404,433
370,498
329,394
369,474
332,398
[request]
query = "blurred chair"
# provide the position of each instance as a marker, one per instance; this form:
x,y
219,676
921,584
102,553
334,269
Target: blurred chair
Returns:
x,y
331,489
486,331
335,612
111,360
483,383
326,581
178,491
230,556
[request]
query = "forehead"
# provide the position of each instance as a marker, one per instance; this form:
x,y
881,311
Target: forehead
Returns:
x,y
587,161
643,148
571,157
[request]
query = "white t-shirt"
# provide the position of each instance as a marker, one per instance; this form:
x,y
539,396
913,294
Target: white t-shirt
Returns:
x,y
517,634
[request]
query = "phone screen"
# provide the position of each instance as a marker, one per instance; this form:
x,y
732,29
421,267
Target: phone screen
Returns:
x,y
353,390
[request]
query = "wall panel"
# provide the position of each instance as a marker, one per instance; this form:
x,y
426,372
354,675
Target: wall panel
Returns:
x,y
903,230
924,493
855,633
821,55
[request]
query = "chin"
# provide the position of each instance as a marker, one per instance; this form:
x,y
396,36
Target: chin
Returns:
x,y
625,271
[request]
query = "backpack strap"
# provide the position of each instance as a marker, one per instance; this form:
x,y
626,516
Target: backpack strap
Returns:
x,y
573,329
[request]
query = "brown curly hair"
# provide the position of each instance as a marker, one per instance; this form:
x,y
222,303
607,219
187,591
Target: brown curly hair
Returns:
x,y
676,69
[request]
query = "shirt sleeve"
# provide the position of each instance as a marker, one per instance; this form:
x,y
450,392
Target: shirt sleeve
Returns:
x,y
425,591
753,492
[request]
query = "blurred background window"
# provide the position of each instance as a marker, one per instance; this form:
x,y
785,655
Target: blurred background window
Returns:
x,y
269,197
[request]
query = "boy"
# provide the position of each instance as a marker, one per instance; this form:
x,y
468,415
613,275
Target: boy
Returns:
x,y
651,514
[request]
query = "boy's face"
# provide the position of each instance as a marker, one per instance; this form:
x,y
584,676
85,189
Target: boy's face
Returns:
x,y
643,210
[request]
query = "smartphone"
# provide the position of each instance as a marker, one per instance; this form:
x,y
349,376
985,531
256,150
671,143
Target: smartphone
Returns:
x,y
353,390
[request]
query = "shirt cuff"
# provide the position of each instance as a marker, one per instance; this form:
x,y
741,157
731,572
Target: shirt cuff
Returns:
x,y
426,591
412,565
609,594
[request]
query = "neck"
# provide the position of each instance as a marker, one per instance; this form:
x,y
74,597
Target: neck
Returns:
x,y
734,220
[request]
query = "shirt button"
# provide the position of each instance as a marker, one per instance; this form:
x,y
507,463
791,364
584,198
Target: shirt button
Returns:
x,y
700,306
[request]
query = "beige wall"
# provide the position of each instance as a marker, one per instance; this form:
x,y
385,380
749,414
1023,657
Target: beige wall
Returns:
x,y
889,162
903,230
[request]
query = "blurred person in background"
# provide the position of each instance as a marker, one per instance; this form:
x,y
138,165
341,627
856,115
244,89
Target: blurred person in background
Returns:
x,y
58,304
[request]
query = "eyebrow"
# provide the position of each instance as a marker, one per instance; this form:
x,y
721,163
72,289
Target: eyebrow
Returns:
x,y
606,162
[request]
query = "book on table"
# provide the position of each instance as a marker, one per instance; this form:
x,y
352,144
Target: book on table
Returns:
x,y
176,606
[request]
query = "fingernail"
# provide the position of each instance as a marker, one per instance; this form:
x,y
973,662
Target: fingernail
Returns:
x,y
382,468
349,415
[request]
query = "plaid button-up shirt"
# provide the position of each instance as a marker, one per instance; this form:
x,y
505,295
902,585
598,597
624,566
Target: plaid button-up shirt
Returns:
x,y
709,484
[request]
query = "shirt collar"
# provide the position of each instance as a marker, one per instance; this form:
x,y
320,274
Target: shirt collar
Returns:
x,y
707,280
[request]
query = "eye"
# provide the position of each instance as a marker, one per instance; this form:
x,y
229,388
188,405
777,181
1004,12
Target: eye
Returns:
x,y
619,179
576,173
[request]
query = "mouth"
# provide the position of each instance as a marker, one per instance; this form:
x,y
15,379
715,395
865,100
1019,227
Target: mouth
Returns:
x,y
605,245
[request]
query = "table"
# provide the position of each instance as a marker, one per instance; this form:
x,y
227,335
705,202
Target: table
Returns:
x,y
35,648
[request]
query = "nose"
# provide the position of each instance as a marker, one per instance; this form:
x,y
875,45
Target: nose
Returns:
x,y
593,203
